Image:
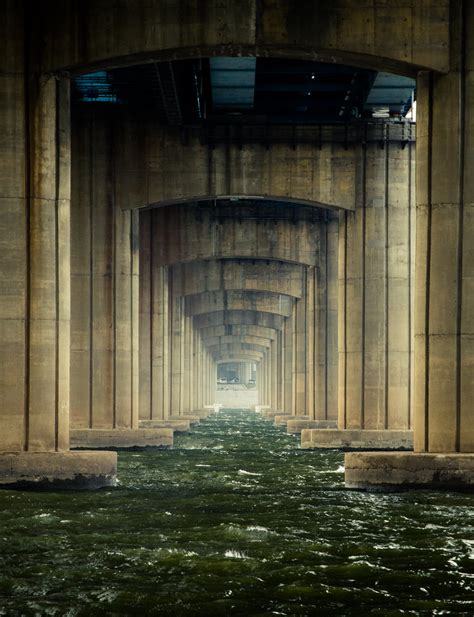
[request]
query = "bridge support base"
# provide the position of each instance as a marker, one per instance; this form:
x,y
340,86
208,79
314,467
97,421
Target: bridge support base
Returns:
x,y
357,439
296,425
181,425
58,470
120,439
397,471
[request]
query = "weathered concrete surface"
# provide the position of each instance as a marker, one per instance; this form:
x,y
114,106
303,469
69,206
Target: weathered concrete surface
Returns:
x,y
120,439
179,426
284,419
58,470
245,317
324,177
394,471
373,34
376,273
281,419
104,288
242,274
357,440
444,289
296,425
196,233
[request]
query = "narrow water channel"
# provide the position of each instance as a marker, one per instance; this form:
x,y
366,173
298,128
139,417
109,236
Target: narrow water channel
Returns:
x,y
235,520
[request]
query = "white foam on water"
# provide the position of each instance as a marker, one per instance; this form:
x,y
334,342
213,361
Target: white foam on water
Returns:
x,y
248,473
235,554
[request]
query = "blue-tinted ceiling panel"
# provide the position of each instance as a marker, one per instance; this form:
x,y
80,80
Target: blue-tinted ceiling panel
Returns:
x,y
233,82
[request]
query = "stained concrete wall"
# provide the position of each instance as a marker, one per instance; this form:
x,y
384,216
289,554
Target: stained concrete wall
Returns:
x,y
376,267
104,287
374,33
243,274
34,235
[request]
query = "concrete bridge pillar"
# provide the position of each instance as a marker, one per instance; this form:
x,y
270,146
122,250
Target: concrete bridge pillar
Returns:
x,y
375,264
105,310
154,330
444,295
35,276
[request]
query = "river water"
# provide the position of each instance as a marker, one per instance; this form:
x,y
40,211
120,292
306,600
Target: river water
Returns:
x,y
235,520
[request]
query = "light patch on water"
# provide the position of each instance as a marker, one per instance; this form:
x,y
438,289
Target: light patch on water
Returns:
x,y
201,465
248,473
258,528
235,554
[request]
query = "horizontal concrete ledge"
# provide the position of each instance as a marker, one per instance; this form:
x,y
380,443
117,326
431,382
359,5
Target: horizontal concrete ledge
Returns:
x,y
58,470
398,471
182,425
192,419
271,413
296,425
120,439
356,440
285,418
198,413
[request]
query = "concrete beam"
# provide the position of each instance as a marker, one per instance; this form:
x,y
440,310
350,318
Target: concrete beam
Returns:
x,y
239,318
237,274
261,301
399,39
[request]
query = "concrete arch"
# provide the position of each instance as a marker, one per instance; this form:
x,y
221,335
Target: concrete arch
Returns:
x,y
239,318
197,233
238,330
236,347
237,274
123,33
211,301
233,339
243,357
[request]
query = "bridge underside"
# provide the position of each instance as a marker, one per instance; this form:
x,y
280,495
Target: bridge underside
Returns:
x,y
239,188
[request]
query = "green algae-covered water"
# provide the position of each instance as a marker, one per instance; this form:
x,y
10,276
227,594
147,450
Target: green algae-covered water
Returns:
x,y
235,520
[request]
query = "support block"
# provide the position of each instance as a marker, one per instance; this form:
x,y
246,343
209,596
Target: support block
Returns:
x,y
397,471
271,413
192,419
58,470
282,420
181,425
200,413
296,424
120,439
357,440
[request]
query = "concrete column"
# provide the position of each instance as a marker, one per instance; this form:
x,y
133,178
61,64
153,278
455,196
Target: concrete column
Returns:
x,y
105,313
326,361
375,326
299,364
274,375
154,332
176,353
187,366
280,371
444,294
288,356
35,275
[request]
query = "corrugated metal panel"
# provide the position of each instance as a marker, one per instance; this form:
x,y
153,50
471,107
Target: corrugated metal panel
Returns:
x,y
233,82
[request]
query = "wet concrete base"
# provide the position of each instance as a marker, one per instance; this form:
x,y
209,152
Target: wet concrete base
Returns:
x,y
296,424
271,413
120,439
180,425
357,440
284,419
58,470
395,471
